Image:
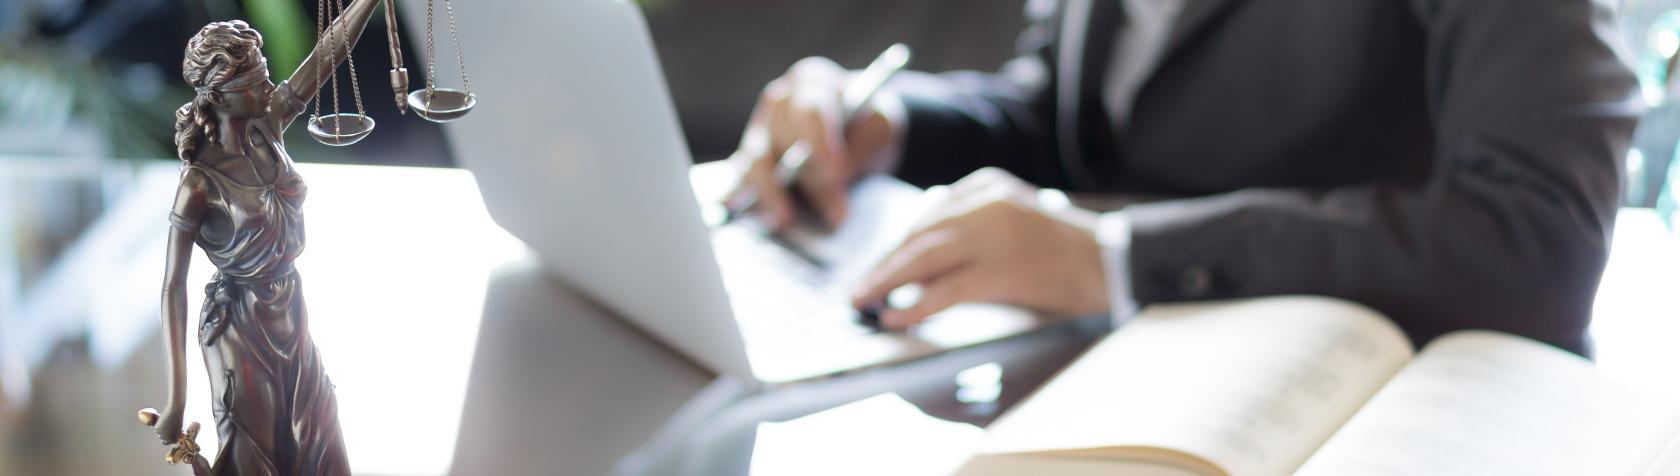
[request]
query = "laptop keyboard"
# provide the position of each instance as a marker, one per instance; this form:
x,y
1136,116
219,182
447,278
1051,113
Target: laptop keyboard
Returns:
x,y
781,297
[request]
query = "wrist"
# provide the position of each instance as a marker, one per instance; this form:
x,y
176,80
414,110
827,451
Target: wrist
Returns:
x,y
175,402
1096,295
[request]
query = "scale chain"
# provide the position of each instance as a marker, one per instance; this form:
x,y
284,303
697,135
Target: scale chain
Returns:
x,y
332,65
431,57
320,34
331,12
355,83
460,55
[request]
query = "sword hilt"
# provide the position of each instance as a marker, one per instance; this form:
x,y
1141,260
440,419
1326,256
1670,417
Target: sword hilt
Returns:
x,y
186,447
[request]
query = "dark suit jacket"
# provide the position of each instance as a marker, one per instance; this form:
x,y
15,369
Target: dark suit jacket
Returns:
x,y
1450,163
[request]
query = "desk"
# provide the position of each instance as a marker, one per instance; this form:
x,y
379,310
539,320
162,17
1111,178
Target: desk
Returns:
x,y
1636,324
451,349
448,345
562,386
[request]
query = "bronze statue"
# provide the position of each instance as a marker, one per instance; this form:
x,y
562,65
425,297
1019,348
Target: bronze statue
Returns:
x,y
239,200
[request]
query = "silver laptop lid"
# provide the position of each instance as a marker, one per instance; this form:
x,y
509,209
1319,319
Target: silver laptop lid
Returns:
x,y
577,150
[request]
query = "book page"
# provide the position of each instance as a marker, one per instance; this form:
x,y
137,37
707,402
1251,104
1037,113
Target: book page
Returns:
x,y
1034,464
1241,387
1485,403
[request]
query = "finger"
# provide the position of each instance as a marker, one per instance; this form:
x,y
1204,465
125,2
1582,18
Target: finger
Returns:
x,y
815,68
988,181
945,214
965,285
920,259
755,145
962,216
955,203
759,190
974,181
755,139
781,115
833,201
992,183
775,205
824,184
742,192
818,125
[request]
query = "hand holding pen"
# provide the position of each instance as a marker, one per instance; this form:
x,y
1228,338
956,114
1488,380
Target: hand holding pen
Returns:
x,y
812,134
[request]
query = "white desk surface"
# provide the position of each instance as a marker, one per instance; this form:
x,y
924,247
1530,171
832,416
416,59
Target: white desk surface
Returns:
x,y
414,293
421,307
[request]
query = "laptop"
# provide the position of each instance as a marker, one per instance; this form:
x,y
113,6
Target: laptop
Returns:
x,y
577,151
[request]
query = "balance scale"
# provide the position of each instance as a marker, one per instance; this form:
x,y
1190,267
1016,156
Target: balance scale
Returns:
x,y
432,103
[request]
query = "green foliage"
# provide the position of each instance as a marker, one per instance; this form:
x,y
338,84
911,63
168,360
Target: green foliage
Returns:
x,y
651,6
287,33
49,87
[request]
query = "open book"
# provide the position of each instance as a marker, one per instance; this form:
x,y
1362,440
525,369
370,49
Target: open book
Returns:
x,y
1318,386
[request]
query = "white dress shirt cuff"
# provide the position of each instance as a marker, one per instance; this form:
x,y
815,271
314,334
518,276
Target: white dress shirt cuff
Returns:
x,y
1114,236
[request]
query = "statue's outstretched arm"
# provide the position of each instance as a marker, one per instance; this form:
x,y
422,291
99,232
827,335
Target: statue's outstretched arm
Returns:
x,y
306,82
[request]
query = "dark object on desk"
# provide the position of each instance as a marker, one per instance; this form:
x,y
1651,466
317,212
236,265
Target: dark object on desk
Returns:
x,y
239,199
871,317
1453,164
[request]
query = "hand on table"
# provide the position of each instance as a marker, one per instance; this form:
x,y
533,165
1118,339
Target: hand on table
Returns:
x,y
991,240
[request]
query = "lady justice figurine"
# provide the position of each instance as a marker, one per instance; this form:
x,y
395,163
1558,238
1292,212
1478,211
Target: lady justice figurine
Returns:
x,y
239,199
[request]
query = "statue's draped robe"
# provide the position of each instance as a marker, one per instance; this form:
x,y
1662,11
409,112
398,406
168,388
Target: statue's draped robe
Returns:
x,y
273,404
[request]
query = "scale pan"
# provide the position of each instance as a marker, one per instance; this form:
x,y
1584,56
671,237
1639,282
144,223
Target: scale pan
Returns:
x,y
447,104
340,129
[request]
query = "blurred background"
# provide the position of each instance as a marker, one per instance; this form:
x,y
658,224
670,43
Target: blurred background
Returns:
x,y
87,94
88,89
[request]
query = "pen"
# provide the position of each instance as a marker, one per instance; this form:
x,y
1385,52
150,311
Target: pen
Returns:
x,y
858,92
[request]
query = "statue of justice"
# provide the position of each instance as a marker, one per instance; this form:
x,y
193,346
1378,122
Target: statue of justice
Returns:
x,y
239,199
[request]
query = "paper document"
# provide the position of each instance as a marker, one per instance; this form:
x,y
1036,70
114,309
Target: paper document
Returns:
x,y
883,434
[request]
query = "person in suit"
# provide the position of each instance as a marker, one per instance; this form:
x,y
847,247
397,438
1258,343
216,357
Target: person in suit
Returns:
x,y
1451,163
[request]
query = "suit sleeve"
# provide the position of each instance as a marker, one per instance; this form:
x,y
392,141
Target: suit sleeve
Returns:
x,y
962,121
1532,110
